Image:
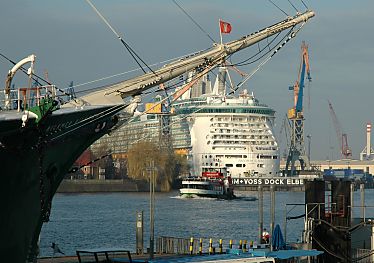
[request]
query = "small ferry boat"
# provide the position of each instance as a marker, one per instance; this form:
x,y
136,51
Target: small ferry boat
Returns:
x,y
213,182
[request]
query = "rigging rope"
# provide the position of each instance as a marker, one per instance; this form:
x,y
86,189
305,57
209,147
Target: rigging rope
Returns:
x,y
35,77
126,72
25,71
176,84
291,35
90,120
169,125
134,55
328,250
289,1
359,259
295,217
278,7
75,169
268,52
190,17
259,52
304,4
194,78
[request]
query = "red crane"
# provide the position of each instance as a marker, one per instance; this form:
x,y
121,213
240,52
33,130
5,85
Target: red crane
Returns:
x,y
345,151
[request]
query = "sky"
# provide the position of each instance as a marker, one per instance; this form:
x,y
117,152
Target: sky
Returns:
x,y
73,44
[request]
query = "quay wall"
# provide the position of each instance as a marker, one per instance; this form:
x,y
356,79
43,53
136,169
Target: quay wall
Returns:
x,y
292,184
94,186
128,185
267,188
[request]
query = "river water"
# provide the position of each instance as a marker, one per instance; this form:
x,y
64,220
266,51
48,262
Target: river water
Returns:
x,y
108,219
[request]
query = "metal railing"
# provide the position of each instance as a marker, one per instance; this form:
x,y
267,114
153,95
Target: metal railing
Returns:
x,y
174,245
360,255
24,98
193,246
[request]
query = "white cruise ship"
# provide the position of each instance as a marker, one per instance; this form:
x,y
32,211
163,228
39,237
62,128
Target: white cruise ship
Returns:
x,y
227,131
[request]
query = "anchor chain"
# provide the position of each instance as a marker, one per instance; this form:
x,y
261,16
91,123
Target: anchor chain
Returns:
x,y
45,203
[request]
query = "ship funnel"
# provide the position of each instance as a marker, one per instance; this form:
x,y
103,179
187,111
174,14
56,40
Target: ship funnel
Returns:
x,y
367,152
368,134
220,84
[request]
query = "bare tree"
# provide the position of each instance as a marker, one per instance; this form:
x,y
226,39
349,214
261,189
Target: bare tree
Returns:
x,y
167,164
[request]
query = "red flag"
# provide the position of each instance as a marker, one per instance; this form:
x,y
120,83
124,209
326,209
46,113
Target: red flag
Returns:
x,y
225,27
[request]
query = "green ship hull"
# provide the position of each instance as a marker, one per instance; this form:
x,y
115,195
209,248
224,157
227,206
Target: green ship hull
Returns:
x,y
35,159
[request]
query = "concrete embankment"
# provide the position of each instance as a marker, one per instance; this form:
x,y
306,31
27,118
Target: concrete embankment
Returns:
x,y
94,186
266,188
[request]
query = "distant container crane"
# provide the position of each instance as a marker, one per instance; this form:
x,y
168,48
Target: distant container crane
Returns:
x,y
345,151
296,117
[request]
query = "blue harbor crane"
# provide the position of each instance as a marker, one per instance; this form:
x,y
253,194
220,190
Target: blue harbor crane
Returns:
x,y
296,118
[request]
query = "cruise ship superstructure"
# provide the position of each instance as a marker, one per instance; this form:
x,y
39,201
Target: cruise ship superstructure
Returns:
x,y
229,131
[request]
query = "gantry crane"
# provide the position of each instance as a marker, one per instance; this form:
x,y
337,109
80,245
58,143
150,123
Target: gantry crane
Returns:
x,y
345,151
296,116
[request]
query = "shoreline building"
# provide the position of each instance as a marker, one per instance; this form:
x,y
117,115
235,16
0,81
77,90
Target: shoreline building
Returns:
x,y
142,127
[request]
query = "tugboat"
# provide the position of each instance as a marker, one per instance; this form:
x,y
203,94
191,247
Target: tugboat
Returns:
x,y
213,183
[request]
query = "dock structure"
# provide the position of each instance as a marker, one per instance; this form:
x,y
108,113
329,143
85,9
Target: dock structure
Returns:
x,y
238,253
366,165
330,225
198,246
166,248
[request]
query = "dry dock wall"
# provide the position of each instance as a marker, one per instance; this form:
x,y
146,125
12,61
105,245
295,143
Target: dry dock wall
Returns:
x,y
267,188
94,186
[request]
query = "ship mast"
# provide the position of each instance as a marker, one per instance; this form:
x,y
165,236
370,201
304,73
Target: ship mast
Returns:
x,y
115,93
